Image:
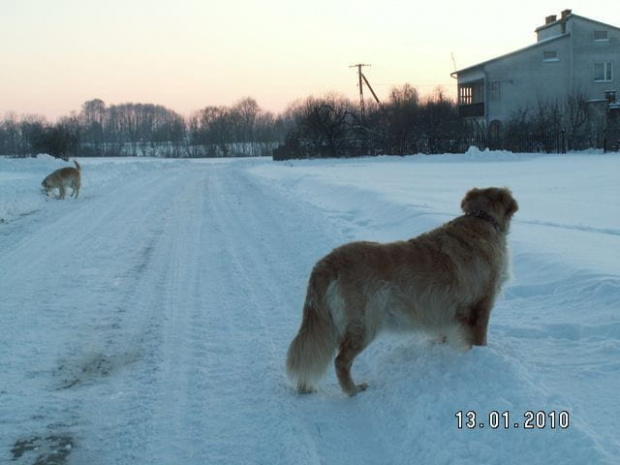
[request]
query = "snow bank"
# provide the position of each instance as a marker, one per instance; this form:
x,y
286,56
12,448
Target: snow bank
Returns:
x,y
571,196
554,335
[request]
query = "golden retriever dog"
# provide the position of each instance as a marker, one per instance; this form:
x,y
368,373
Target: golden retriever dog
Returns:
x,y
443,282
63,178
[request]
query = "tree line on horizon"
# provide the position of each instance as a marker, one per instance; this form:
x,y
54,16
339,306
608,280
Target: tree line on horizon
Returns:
x,y
136,129
328,126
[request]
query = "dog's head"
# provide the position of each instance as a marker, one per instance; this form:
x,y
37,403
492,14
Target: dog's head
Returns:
x,y
495,201
47,185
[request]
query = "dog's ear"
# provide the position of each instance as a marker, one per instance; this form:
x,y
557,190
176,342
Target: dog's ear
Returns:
x,y
471,201
508,202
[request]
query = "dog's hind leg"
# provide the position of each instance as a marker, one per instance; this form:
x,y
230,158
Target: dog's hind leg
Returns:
x,y
351,345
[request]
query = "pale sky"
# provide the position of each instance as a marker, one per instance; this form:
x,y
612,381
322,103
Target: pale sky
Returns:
x,y
188,54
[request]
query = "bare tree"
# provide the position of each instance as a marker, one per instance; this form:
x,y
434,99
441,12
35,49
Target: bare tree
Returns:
x,y
92,118
441,125
211,128
575,115
247,112
402,118
326,124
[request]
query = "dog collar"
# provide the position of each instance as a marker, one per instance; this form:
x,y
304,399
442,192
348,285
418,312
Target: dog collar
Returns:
x,y
486,217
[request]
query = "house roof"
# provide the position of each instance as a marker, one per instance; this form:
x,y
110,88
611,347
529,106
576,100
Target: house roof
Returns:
x,y
572,15
537,44
501,57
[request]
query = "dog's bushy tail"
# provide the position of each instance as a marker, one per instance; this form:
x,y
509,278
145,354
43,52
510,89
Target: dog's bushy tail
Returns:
x,y
77,165
313,348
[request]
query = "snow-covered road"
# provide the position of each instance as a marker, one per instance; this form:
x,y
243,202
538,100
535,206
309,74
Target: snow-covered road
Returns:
x,y
151,320
148,322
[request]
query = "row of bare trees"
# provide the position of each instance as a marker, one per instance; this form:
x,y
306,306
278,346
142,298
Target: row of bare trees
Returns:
x,y
241,130
550,126
405,124
329,126
129,129
135,129
132,129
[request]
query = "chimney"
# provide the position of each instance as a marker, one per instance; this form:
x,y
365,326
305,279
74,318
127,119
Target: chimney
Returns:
x,y
565,14
550,19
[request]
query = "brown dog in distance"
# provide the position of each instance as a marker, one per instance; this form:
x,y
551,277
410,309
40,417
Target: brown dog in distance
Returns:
x,y
63,178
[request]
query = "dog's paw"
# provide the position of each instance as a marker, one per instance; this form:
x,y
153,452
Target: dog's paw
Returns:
x,y
305,389
359,388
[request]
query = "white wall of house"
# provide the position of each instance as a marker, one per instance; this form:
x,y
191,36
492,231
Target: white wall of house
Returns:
x,y
588,51
528,79
573,56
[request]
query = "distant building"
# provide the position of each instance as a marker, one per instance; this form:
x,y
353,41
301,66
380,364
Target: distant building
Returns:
x,y
573,56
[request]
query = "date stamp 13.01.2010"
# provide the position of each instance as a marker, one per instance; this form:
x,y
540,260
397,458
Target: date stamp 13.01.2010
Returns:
x,y
528,420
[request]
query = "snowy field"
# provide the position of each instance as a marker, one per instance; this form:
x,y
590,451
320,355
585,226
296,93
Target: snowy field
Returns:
x,y
147,322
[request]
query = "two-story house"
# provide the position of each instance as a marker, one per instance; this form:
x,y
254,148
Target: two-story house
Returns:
x,y
573,56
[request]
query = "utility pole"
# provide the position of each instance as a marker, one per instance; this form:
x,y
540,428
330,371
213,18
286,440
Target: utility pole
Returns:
x,y
361,80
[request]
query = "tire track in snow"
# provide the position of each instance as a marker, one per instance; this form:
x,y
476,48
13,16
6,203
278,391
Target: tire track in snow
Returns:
x,y
227,367
572,227
137,423
277,236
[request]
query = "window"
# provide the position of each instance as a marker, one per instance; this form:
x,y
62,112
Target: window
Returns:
x,y
550,55
471,93
471,99
603,72
601,36
495,91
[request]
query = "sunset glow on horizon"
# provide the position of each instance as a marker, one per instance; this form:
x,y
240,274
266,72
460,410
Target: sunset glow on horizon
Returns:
x,y
189,54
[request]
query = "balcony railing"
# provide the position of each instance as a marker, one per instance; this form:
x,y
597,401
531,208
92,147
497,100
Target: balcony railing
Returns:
x,y
472,110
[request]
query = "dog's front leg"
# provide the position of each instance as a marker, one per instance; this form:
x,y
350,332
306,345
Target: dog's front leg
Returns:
x,y
479,321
